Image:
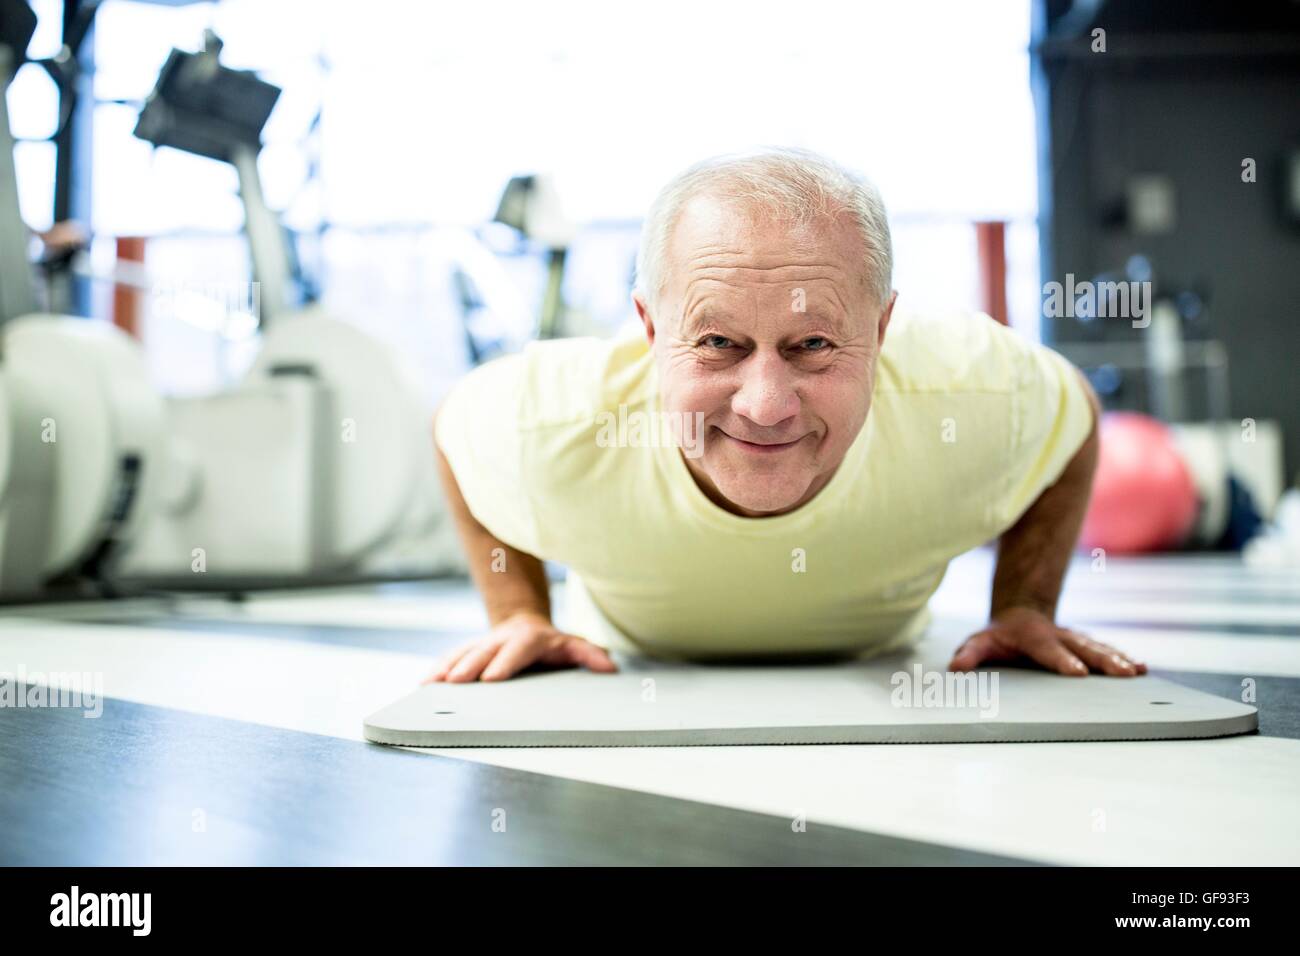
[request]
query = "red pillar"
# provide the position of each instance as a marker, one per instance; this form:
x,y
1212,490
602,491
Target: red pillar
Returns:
x,y
991,248
126,299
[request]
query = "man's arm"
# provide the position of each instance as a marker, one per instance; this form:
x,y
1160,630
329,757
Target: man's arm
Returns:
x,y
1034,553
520,584
517,597
1033,556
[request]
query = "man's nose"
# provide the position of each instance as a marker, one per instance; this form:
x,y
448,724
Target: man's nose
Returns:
x,y
767,394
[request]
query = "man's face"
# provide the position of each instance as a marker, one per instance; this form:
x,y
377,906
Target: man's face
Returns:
x,y
772,334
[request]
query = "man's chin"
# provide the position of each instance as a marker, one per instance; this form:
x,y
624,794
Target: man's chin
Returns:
x,y
758,501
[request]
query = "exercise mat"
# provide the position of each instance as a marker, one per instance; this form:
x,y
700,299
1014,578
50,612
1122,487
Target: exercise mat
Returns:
x,y
666,705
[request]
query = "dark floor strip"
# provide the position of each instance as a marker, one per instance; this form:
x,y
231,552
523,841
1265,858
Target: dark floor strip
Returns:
x,y
1276,698
409,640
1220,628
151,785
1176,595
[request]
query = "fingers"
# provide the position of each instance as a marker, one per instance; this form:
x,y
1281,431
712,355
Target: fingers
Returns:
x,y
444,664
1102,657
557,649
514,656
582,653
469,667
985,646
971,654
501,660
1053,654
977,649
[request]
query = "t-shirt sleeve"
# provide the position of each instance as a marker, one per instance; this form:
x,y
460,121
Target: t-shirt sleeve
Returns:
x,y
1051,418
479,431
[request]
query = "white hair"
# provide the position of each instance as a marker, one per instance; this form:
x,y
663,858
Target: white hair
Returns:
x,y
793,185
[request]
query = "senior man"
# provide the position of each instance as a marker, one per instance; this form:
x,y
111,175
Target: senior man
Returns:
x,y
829,453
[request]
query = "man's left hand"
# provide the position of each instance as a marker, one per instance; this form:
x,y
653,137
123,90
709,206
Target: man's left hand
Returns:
x,y
1019,632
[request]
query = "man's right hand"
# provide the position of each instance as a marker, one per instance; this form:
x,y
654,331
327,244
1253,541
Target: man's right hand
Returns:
x,y
518,642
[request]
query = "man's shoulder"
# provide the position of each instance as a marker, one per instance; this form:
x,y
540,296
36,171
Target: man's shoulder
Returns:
x,y
951,351
572,381
528,423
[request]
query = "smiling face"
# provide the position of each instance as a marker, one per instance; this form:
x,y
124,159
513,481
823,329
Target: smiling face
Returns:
x,y
772,333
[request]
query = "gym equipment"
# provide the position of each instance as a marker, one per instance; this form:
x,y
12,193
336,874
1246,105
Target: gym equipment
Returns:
x,y
1237,470
1155,372
883,701
80,428
531,205
1143,496
321,455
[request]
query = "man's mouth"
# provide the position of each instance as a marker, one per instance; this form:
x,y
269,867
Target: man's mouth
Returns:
x,y
761,448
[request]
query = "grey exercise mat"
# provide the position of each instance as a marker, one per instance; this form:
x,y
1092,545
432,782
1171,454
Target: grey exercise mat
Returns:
x,y
875,702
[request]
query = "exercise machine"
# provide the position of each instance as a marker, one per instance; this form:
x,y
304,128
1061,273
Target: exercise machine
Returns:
x,y
80,428
319,459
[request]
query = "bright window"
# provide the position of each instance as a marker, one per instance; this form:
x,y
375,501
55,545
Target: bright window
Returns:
x,y
427,109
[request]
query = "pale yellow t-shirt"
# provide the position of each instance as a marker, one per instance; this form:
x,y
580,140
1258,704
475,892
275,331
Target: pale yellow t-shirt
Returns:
x,y
968,425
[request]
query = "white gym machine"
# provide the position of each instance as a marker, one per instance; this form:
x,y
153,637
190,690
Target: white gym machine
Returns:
x,y
318,464
80,426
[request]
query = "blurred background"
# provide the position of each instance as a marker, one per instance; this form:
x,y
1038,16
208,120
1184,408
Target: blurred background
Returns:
x,y
456,179
400,124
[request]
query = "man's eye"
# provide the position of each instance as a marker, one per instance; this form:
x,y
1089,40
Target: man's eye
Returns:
x,y
815,344
716,341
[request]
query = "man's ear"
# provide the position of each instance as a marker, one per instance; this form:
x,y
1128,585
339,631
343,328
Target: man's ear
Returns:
x,y
885,316
643,313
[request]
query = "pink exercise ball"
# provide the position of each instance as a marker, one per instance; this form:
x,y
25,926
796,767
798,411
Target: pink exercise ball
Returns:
x,y
1143,497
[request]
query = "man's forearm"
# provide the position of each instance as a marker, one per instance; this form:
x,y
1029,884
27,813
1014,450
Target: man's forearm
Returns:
x,y
510,581
1034,553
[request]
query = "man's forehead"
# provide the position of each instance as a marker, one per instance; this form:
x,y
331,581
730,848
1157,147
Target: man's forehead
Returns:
x,y
729,242
708,296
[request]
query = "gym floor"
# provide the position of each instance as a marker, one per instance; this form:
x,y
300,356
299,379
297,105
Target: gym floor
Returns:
x,y
231,734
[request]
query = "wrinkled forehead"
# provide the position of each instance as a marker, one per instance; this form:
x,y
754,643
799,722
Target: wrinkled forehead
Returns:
x,y
722,242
